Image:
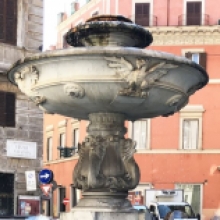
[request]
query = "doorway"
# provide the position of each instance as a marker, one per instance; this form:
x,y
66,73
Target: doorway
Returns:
x,y
6,194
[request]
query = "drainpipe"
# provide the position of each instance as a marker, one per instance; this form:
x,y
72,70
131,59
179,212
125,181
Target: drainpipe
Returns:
x,y
168,12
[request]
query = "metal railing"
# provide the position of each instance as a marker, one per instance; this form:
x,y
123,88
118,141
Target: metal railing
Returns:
x,y
196,19
67,151
144,21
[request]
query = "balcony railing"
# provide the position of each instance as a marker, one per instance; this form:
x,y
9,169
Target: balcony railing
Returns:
x,y
144,21
67,151
197,19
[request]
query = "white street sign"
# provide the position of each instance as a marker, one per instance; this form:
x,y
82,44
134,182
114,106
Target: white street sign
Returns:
x,y
31,184
21,149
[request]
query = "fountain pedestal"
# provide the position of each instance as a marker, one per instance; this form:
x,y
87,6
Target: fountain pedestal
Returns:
x,y
106,169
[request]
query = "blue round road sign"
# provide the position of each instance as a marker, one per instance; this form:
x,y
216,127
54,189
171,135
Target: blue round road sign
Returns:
x,y
46,176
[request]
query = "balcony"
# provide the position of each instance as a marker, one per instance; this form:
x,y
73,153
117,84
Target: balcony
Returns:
x,y
145,21
67,151
197,19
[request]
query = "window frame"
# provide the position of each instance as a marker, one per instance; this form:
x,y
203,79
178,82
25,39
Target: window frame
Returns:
x,y
75,125
130,134
49,148
191,112
14,22
62,129
200,51
140,21
75,194
185,10
150,11
49,134
9,122
197,135
59,202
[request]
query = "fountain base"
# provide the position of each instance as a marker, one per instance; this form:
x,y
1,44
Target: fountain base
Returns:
x,y
102,206
99,215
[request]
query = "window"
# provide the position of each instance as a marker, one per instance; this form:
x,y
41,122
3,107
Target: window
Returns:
x,y
61,196
8,21
191,127
75,195
72,8
75,133
7,194
190,133
193,194
7,109
62,139
193,13
197,57
140,134
49,148
75,137
142,14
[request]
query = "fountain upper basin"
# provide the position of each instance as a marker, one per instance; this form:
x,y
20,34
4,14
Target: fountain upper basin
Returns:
x,y
138,83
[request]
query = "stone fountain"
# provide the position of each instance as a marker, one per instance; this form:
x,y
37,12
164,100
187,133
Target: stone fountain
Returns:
x,y
107,78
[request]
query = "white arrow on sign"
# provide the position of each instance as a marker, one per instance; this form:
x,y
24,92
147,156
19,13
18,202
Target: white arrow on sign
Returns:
x,y
45,176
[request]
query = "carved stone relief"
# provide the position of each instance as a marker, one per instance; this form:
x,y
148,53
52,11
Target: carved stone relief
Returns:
x,y
32,71
92,154
19,76
141,76
38,100
106,161
74,90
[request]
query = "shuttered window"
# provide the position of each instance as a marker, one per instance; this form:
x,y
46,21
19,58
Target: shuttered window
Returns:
x,y
142,14
193,13
7,109
199,58
8,21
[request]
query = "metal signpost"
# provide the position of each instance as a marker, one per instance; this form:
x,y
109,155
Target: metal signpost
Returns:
x,y
48,186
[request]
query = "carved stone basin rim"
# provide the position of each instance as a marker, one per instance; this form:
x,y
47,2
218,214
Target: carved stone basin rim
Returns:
x,y
102,51
109,79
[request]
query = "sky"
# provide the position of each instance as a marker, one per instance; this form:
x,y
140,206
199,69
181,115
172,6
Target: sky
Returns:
x,y
51,9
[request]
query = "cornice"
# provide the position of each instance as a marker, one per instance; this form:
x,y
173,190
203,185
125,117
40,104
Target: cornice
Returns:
x,y
185,35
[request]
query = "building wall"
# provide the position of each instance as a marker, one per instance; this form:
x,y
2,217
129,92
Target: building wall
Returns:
x,y
29,119
164,164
